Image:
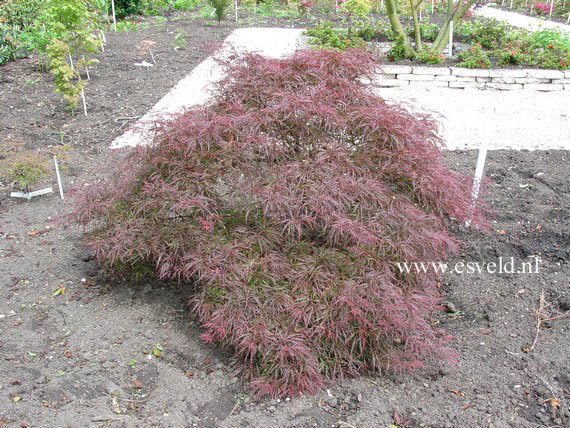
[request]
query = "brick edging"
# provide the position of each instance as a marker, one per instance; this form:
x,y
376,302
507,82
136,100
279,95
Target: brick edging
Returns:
x,y
391,75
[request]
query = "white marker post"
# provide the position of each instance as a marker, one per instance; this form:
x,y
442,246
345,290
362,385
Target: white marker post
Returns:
x,y
478,175
86,68
58,177
551,8
84,103
113,10
450,53
236,10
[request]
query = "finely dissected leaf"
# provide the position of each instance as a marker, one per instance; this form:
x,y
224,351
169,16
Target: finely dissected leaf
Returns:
x,y
287,200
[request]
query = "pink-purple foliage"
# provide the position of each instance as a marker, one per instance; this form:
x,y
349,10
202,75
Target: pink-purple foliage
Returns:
x,y
287,200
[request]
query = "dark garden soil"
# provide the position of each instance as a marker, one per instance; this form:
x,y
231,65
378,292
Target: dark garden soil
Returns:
x,y
95,354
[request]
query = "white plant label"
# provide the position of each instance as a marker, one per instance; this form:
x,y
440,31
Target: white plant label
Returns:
x,y
30,195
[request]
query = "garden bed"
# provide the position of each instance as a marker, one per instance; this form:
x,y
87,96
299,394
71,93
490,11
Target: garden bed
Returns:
x,y
101,354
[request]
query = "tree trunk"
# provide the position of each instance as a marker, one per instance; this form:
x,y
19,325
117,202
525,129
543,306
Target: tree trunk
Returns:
x,y
395,20
455,16
417,33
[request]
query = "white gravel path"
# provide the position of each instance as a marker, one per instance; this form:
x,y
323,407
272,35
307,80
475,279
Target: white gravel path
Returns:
x,y
195,88
510,120
514,120
518,20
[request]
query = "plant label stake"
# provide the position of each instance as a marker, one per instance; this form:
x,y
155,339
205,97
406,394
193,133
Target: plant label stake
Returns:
x,y
86,68
113,11
236,10
450,53
478,175
58,177
30,195
551,7
71,62
84,103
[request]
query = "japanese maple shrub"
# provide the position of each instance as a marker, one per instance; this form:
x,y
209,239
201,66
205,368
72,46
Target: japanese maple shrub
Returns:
x,y
287,200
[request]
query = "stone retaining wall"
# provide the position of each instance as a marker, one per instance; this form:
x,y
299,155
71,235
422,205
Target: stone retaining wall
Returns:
x,y
461,78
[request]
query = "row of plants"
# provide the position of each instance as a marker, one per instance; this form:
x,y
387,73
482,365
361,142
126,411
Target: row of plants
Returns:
x,y
492,42
495,43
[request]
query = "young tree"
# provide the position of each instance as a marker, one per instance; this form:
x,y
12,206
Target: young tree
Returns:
x,y
453,14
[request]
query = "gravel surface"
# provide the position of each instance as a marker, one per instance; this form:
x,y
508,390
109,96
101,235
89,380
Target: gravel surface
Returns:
x,y
515,120
519,20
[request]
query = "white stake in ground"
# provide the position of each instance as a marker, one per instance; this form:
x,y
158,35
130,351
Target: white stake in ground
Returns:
x,y
236,10
450,53
86,68
58,177
113,11
478,176
551,7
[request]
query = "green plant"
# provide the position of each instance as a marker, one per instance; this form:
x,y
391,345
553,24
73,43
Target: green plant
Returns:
x,y
474,57
16,19
124,8
220,8
186,5
547,37
179,41
324,36
67,82
27,171
426,56
400,50
491,33
428,31
358,8
554,57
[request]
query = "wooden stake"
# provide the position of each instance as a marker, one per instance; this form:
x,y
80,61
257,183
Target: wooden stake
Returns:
x,y
151,55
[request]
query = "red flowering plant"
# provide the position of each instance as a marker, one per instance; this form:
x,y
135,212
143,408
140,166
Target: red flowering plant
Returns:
x,y
287,201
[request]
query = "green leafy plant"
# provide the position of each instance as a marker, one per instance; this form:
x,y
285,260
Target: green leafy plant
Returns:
x,y
400,50
324,36
426,56
474,57
67,82
186,5
72,27
27,171
179,41
220,8
124,8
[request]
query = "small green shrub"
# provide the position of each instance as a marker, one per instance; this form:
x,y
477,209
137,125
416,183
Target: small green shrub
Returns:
x,y
124,8
490,33
220,8
554,57
26,171
428,57
474,57
327,37
185,4
400,50
359,8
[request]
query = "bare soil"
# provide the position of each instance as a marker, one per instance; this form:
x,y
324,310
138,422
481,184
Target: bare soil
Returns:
x,y
88,356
